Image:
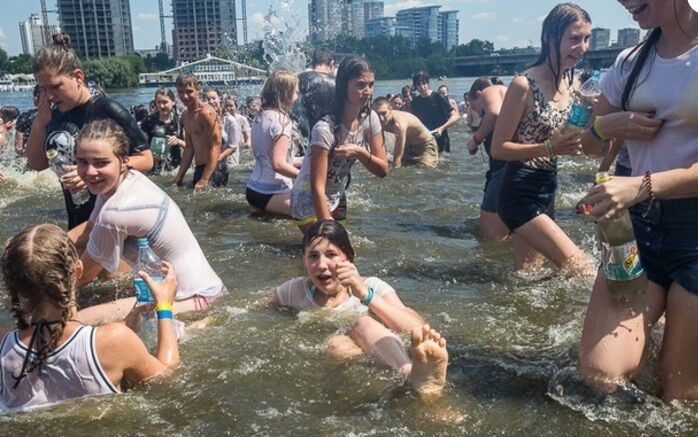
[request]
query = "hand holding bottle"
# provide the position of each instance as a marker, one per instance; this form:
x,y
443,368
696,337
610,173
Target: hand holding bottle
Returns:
x,y
566,143
163,291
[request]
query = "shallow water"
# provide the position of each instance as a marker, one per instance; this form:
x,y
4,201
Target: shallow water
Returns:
x,y
258,371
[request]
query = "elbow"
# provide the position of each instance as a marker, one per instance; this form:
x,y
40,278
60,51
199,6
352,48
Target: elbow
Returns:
x,y
498,152
277,166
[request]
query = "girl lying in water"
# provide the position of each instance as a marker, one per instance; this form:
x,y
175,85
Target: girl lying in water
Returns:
x,y
51,356
333,281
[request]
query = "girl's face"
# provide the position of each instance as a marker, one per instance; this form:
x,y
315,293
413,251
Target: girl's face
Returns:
x,y
396,103
360,89
475,102
320,259
574,43
213,99
653,13
63,90
230,106
99,167
164,104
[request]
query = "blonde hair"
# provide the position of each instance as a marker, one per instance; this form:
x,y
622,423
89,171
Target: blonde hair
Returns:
x,y
278,90
57,57
38,265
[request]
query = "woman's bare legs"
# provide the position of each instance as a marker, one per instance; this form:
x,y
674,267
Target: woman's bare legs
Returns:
x,y
679,351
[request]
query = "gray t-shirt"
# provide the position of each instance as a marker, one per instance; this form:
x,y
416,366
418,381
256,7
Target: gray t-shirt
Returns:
x,y
324,135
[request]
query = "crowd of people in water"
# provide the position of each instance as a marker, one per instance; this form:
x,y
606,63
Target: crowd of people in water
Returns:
x,y
306,131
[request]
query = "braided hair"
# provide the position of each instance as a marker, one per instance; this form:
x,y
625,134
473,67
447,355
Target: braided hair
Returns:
x,y
38,266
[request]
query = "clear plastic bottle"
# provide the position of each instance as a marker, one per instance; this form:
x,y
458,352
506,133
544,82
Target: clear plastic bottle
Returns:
x,y
150,263
58,163
619,254
583,105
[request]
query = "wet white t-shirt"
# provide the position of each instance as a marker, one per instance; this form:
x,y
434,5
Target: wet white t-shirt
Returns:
x,y
139,208
338,168
232,132
268,126
298,293
670,89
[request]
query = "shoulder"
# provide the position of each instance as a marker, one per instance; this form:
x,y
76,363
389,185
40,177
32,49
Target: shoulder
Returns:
x,y
380,287
114,336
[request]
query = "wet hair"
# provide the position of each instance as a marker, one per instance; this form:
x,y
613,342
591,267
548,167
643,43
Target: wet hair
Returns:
x,y
57,57
442,86
186,79
323,56
38,265
332,231
406,91
140,112
350,68
106,130
166,92
378,101
208,89
481,83
278,90
554,26
9,113
36,91
395,97
389,96
419,78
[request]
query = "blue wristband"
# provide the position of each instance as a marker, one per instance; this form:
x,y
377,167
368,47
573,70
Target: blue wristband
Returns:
x,y
369,298
164,314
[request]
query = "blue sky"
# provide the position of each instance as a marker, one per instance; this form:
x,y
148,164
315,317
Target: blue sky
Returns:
x,y
507,23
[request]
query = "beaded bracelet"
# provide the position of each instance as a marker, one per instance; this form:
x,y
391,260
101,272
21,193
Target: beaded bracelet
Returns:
x,y
164,314
647,185
369,297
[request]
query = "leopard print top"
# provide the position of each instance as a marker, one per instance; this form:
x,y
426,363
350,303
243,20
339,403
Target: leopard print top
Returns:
x,y
539,125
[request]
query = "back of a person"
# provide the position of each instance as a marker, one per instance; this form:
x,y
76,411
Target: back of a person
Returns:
x,y
316,91
72,371
431,109
267,127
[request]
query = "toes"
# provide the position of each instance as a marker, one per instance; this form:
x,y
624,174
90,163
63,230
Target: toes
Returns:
x,y
417,336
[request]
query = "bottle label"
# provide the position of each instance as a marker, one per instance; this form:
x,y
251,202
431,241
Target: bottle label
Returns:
x,y
621,263
579,115
143,294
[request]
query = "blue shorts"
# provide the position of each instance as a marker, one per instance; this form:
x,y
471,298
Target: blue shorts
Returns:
x,y
525,193
489,199
667,236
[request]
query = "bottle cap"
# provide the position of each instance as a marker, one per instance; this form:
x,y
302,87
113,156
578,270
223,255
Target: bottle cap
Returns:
x,y
51,154
143,242
602,177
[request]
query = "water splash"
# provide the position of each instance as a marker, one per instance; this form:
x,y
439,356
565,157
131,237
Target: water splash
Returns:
x,y
283,39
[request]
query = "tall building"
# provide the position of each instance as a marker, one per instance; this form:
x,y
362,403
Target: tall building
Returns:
x,y
380,26
628,37
97,28
201,27
600,38
326,19
31,33
427,21
373,9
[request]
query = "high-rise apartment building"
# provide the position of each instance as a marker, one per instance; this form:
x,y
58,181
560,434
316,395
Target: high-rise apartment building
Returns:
x,y
201,27
427,21
32,34
628,37
373,9
97,28
326,19
600,38
380,26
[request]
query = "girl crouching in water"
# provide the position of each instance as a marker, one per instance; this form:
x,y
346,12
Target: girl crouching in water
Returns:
x,y
51,356
130,206
527,135
333,281
164,132
352,132
269,185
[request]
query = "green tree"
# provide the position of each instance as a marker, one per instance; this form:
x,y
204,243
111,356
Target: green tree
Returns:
x,y
3,59
19,64
475,47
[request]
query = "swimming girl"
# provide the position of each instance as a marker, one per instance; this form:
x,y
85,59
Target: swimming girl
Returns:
x,y
164,132
65,105
269,186
130,206
333,281
353,132
52,356
527,135
649,103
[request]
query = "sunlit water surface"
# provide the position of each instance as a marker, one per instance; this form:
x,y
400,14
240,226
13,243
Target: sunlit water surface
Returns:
x,y
258,371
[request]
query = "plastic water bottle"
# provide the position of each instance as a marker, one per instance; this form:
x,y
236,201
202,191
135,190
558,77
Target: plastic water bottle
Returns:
x,y
58,163
583,105
619,253
150,263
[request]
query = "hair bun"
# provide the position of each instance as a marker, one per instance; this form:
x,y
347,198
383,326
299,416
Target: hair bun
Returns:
x,y
61,39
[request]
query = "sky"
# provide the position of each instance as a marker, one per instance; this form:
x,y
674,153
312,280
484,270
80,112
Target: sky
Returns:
x,y
507,23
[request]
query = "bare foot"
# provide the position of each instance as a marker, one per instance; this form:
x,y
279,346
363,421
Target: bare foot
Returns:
x,y
429,362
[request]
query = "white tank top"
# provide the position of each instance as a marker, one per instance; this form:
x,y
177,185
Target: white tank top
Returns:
x,y
71,371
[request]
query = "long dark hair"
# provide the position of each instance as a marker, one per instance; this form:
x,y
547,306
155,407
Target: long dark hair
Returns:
x,y
554,26
350,68
644,51
331,231
38,265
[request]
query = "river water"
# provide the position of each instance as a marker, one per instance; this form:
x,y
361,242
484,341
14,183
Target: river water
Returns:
x,y
258,371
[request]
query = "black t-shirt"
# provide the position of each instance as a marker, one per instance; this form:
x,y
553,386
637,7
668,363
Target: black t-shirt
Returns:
x,y
316,91
432,110
64,127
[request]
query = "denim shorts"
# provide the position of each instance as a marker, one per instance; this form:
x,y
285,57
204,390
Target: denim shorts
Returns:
x,y
667,236
489,199
525,193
